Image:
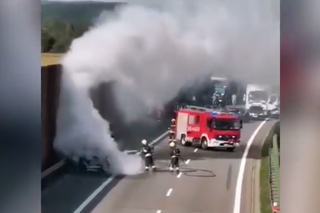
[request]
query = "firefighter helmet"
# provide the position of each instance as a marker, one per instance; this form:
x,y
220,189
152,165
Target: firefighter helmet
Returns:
x,y
173,120
144,142
172,144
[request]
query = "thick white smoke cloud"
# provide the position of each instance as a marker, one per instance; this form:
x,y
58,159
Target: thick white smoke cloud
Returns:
x,y
152,49
82,132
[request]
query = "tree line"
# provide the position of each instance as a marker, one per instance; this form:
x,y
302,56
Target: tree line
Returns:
x,y
57,35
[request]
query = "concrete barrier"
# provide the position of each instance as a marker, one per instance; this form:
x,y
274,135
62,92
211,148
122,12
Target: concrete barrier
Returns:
x,y
274,174
274,167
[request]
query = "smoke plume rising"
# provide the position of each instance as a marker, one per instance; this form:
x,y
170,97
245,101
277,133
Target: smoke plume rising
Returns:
x,y
152,49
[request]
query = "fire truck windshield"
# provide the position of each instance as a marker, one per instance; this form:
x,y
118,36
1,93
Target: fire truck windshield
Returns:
x,y
224,124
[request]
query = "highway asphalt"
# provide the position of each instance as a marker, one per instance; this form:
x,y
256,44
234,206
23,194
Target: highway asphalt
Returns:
x,y
207,184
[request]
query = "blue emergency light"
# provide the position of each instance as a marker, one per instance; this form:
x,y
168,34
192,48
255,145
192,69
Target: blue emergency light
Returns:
x,y
216,114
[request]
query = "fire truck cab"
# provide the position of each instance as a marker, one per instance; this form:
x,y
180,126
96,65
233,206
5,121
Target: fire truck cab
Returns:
x,y
208,128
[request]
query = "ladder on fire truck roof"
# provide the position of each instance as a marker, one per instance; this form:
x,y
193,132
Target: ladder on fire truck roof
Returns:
x,y
204,109
197,108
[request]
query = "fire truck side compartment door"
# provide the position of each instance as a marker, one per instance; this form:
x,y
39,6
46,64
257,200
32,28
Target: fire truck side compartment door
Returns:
x,y
182,123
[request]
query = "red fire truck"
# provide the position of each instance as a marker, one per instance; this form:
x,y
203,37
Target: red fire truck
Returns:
x,y
208,128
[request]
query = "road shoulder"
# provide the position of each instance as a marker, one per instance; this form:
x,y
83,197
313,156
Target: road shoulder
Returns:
x,y
250,202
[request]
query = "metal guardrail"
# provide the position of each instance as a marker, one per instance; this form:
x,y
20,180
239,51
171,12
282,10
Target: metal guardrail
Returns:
x,y
274,174
53,168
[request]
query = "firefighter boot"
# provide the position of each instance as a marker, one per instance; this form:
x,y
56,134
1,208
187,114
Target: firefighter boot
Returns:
x,y
147,168
171,169
178,170
153,168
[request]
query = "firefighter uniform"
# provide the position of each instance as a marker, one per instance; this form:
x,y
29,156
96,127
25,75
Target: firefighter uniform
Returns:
x,y
172,129
147,152
175,156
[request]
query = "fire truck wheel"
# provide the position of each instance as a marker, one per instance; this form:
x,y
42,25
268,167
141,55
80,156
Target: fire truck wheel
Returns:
x,y
183,141
204,143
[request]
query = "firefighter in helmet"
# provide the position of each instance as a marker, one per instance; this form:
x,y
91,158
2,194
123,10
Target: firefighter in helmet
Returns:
x,y
175,156
147,151
172,129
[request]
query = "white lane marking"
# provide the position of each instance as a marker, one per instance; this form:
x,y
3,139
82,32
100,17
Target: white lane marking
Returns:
x,y
237,200
187,161
94,194
169,192
159,211
110,179
179,175
195,150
